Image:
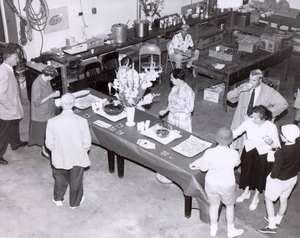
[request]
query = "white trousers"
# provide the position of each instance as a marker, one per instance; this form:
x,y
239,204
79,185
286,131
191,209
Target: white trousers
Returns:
x,y
178,58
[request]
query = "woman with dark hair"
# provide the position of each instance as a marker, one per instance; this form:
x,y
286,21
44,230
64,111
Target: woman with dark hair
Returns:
x,y
180,107
180,102
262,137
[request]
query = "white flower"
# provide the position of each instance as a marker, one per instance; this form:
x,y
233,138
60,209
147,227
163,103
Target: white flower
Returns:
x,y
130,86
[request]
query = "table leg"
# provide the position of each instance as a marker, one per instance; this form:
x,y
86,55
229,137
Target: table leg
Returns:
x,y
187,206
226,80
111,161
120,164
286,68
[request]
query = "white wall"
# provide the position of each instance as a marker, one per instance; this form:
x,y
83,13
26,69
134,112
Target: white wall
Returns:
x,y
109,12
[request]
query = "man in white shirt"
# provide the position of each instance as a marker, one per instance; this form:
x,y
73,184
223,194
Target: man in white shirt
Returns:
x,y
182,47
69,139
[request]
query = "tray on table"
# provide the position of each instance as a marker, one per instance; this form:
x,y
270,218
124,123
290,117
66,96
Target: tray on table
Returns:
x,y
86,102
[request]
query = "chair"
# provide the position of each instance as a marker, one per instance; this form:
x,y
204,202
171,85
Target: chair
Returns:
x,y
110,64
169,60
92,73
152,51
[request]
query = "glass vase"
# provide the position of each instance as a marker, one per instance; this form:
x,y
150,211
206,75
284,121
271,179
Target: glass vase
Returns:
x,y
130,111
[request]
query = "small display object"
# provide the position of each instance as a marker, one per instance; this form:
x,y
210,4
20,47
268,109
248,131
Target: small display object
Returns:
x,y
270,43
214,93
224,53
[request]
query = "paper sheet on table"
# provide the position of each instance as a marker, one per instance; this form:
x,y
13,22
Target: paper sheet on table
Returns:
x,y
81,93
191,146
151,133
219,66
102,124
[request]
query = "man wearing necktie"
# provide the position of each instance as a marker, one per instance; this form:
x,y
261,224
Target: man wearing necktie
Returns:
x,y
262,95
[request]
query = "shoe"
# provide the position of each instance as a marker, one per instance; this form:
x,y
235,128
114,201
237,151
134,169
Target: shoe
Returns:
x,y
82,200
21,144
190,69
253,205
243,197
213,230
58,203
268,230
47,156
235,232
267,219
3,161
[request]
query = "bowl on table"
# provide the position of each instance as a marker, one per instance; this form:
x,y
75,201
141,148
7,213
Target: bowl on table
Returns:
x,y
113,109
163,129
162,132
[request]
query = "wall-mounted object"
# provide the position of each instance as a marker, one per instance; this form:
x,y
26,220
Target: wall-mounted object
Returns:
x,y
58,20
94,10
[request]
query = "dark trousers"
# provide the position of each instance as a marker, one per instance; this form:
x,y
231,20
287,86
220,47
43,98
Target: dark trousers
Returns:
x,y
72,177
9,134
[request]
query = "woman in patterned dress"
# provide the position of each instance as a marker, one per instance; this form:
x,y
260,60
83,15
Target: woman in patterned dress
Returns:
x,y
180,107
180,102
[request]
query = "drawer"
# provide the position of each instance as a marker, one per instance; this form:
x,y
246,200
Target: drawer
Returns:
x,y
267,63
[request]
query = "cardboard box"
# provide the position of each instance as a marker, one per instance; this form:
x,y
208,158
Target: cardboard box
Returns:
x,y
250,48
249,44
224,53
242,19
270,43
214,93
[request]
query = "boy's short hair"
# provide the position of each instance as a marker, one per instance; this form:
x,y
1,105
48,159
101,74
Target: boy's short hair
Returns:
x,y
224,136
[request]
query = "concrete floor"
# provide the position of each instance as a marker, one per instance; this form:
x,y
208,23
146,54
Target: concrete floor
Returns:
x,y
135,206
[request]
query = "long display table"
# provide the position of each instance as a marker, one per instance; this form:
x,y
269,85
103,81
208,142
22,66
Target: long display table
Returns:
x,y
122,141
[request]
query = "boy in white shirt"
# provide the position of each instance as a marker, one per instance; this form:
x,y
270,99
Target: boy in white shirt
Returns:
x,y
220,162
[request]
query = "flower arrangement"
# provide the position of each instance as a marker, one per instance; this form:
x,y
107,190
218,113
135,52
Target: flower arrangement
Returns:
x,y
152,7
131,86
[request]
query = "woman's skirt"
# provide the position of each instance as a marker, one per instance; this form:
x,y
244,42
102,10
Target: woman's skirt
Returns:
x,y
37,133
254,170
